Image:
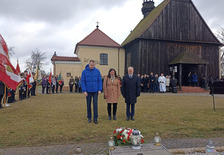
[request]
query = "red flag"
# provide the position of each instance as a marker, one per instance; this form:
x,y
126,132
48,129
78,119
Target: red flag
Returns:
x,y
17,67
8,73
49,80
3,46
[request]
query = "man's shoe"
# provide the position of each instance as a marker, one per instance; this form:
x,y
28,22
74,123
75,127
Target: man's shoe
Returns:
x,y
132,119
114,117
127,119
109,117
89,121
95,121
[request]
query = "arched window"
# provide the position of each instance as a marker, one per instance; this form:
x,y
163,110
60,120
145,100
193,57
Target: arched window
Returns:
x,y
103,59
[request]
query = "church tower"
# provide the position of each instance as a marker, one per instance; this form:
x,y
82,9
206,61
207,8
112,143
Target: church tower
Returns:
x,y
147,7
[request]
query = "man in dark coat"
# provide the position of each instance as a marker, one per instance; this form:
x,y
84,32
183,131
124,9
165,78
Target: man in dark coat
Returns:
x,y
2,92
145,82
174,84
130,90
152,82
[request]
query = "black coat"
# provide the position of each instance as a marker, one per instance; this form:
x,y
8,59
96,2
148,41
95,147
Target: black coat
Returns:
x,y
2,88
152,79
131,89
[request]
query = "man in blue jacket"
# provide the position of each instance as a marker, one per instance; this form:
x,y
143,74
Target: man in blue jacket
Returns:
x,y
91,83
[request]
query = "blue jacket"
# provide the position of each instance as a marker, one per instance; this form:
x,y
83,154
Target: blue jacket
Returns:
x,y
194,78
91,80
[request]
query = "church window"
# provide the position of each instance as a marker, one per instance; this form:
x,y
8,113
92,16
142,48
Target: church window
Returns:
x,y
103,59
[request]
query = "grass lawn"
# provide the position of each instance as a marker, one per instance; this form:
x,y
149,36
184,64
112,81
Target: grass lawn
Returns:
x,y
61,118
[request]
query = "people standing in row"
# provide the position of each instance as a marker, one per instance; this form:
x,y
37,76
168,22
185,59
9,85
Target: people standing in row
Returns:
x,y
57,84
76,84
61,85
162,83
174,84
145,82
44,84
195,79
130,91
167,83
71,83
91,82
53,80
112,92
151,83
189,79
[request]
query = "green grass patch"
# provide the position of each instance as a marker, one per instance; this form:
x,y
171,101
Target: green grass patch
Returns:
x,y
61,118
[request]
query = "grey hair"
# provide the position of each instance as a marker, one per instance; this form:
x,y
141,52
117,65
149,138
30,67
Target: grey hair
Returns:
x,y
130,68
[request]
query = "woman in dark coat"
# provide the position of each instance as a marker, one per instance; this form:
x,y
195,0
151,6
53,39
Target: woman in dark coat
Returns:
x,y
2,92
130,90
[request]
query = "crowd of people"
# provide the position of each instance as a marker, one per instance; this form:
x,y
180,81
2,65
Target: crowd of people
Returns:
x,y
50,84
77,82
155,83
25,89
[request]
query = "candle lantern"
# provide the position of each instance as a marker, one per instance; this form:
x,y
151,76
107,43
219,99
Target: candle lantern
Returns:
x,y
136,140
111,143
157,139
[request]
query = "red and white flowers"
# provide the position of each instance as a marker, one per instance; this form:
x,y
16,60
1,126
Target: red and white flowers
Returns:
x,y
122,136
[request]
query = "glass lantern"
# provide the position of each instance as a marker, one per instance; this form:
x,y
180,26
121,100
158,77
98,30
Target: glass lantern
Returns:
x,y
111,143
157,139
78,150
136,140
210,148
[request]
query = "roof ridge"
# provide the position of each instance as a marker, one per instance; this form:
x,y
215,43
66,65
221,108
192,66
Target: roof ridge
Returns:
x,y
138,28
102,33
109,37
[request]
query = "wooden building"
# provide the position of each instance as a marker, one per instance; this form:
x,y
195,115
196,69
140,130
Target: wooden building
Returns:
x,y
173,34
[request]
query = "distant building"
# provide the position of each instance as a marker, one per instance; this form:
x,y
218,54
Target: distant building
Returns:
x,y
101,48
67,66
173,34
96,46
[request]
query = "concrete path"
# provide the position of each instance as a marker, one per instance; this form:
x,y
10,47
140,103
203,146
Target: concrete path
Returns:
x,y
175,145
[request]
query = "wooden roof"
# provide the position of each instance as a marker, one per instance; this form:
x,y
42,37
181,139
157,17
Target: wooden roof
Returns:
x,y
188,58
145,23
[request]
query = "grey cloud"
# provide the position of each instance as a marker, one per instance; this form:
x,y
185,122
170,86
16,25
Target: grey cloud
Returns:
x,y
53,10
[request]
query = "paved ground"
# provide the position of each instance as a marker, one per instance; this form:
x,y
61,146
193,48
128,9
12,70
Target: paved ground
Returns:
x,y
173,145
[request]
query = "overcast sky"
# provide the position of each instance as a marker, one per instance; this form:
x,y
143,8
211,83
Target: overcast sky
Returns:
x,y
56,25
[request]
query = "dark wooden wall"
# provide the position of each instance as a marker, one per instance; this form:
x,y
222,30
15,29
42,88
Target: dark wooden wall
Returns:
x,y
180,21
178,29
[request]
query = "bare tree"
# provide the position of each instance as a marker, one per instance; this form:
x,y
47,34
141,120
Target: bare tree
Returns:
x,y
11,51
37,57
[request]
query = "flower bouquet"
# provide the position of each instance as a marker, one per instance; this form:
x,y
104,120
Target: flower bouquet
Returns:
x,y
122,136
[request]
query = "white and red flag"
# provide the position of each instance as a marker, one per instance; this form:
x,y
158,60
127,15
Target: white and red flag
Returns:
x,y
8,73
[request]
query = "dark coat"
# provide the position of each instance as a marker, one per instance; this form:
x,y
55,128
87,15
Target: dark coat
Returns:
x,y
131,89
2,88
151,79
